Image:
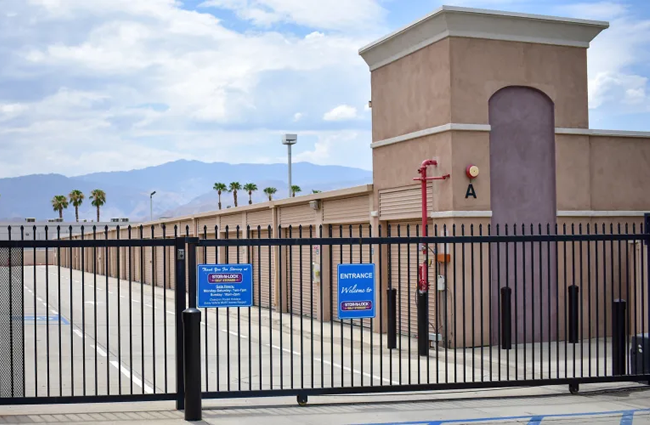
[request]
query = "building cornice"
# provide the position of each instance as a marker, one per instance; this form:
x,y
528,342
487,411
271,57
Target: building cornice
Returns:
x,y
449,21
486,128
430,131
602,133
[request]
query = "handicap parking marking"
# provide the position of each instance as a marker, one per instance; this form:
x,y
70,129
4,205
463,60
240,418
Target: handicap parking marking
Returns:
x,y
41,320
627,418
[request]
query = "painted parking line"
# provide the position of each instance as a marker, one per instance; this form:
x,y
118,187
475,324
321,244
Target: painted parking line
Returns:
x,y
126,372
99,350
627,418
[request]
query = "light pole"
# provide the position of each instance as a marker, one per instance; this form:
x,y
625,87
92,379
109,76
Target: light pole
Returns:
x,y
151,204
289,139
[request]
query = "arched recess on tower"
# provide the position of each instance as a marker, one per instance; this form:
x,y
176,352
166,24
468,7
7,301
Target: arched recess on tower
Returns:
x,y
523,191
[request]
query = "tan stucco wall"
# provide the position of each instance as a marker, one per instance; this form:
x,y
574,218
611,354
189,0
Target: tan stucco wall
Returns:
x,y
396,165
470,148
620,172
602,173
572,167
480,68
412,93
593,172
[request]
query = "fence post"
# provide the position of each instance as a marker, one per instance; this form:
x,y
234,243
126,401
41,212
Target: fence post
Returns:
x,y
646,229
392,318
618,337
192,340
423,322
179,290
573,313
192,365
506,318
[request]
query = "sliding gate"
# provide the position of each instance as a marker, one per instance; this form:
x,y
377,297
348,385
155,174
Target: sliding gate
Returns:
x,y
97,317
508,306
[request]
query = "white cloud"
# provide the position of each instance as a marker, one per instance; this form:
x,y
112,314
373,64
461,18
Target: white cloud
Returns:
x,y
604,10
328,146
142,82
616,87
614,55
357,15
341,113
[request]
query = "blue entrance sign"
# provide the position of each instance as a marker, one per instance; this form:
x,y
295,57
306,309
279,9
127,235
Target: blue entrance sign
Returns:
x,y
356,291
225,285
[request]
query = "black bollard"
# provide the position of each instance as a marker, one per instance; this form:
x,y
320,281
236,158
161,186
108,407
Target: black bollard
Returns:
x,y
392,318
423,323
573,313
618,337
192,366
506,318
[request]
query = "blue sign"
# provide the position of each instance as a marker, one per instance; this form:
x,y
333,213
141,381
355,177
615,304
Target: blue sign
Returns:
x,y
225,285
356,291
41,320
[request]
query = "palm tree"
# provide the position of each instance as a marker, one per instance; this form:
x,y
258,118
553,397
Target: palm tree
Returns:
x,y
250,188
295,189
59,203
99,198
76,199
220,187
270,191
316,191
234,187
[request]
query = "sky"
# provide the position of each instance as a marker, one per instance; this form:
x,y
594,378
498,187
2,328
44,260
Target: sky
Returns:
x,y
103,85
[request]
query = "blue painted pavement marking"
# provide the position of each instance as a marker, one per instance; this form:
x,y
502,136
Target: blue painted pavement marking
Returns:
x,y
41,320
626,419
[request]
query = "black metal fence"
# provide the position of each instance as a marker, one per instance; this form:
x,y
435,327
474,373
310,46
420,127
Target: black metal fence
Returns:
x,y
98,318
79,324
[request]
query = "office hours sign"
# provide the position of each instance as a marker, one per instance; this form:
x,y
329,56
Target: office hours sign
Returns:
x,y
225,285
356,291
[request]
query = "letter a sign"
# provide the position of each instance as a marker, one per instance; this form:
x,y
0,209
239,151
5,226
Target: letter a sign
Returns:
x,y
356,291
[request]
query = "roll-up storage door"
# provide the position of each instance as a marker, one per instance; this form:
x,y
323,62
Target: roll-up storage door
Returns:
x,y
262,264
298,276
405,260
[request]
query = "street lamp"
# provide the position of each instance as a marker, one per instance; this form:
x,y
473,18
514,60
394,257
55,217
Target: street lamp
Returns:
x,y
151,204
289,139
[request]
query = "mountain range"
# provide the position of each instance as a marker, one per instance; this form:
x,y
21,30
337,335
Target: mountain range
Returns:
x,y
182,187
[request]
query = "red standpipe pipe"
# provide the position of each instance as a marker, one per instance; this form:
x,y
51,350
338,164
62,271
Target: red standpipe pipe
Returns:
x,y
424,267
423,179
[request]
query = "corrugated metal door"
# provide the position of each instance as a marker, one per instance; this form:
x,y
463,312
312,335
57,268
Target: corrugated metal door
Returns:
x,y
112,257
405,260
161,259
230,253
262,271
403,275
300,292
149,265
171,267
